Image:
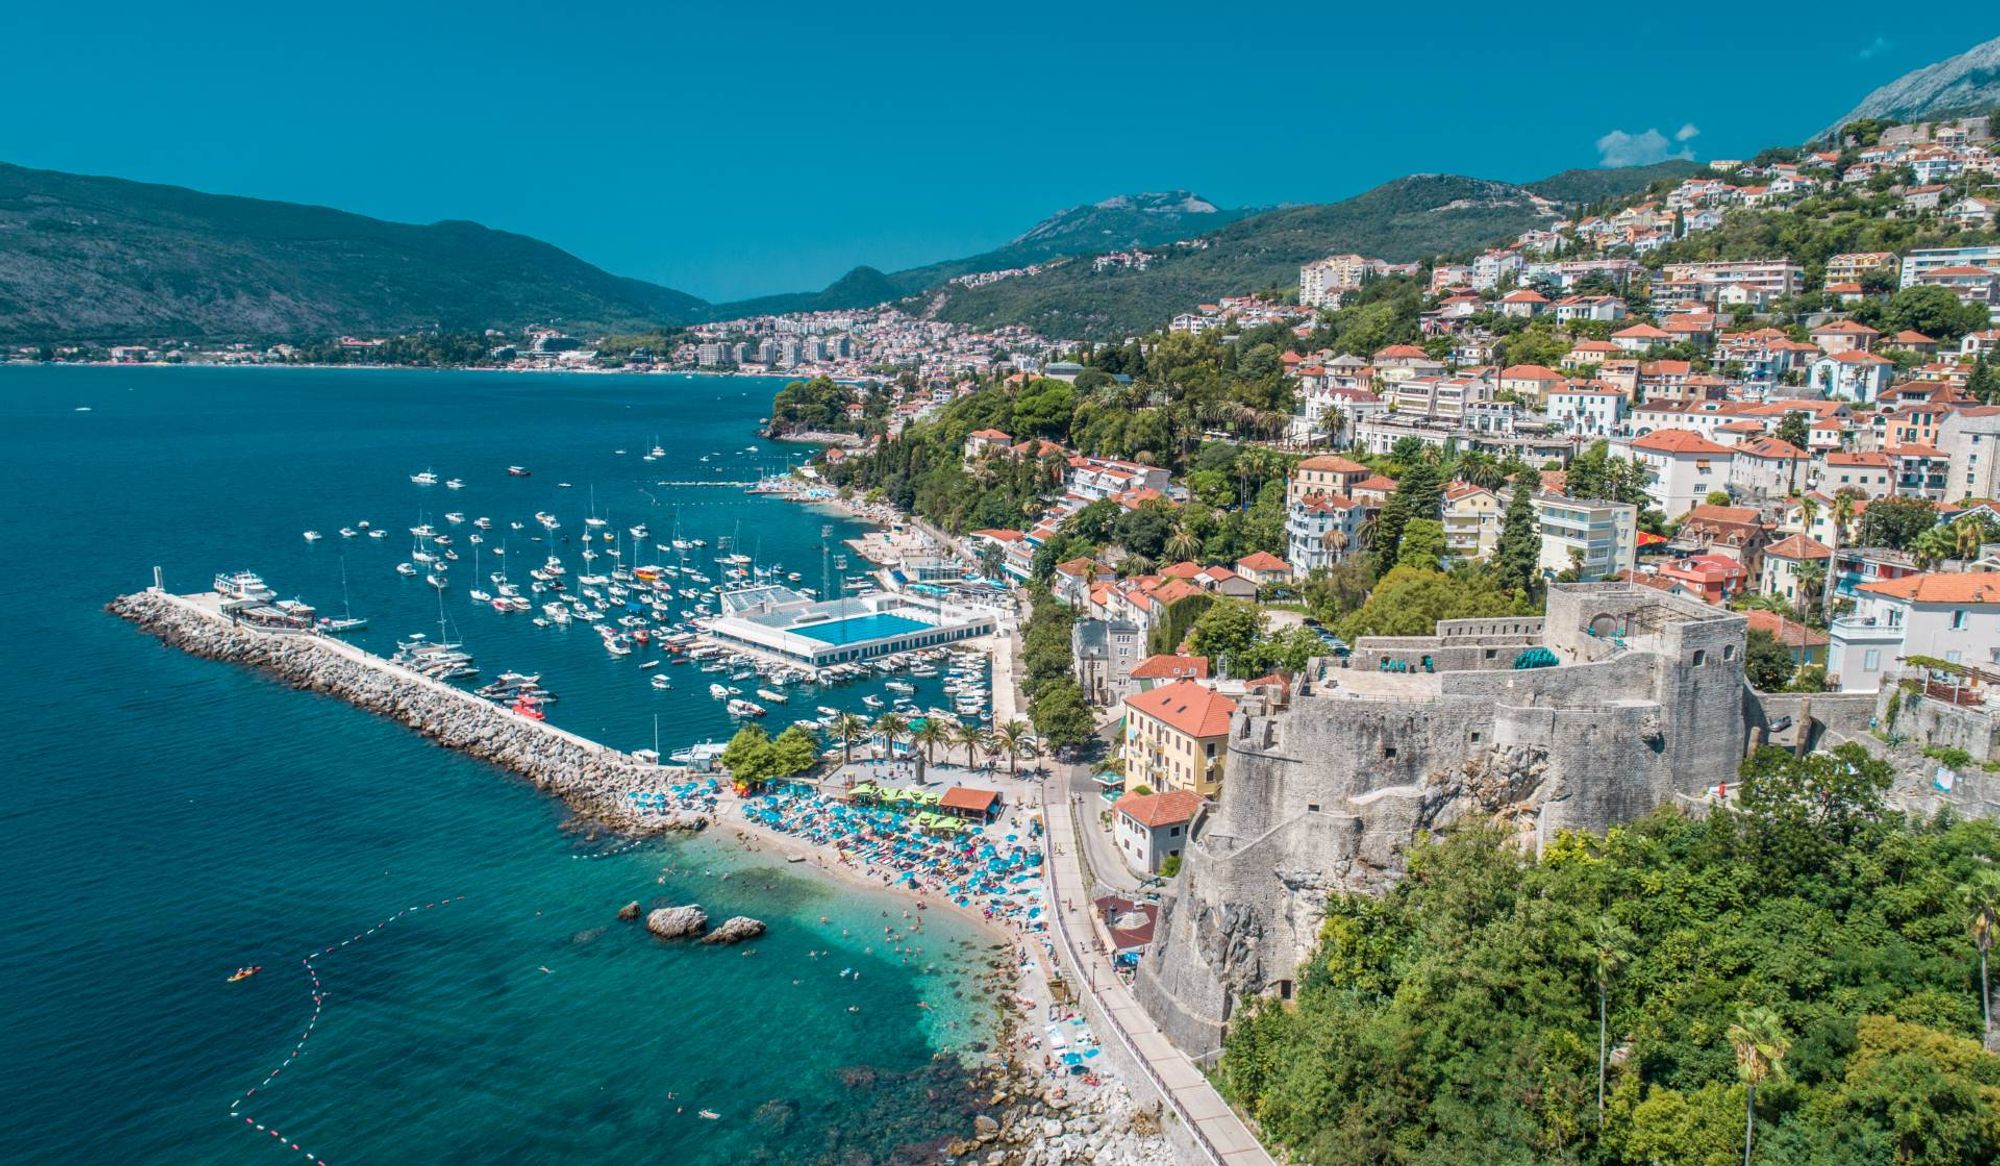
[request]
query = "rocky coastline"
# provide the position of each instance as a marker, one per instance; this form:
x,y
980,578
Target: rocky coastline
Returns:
x,y
591,779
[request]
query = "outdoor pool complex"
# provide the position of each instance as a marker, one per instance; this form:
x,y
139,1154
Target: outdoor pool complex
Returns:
x,y
859,628
839,631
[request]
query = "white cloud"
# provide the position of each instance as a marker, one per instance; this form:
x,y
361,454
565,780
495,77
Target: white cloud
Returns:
x,y
1873,49
1619,148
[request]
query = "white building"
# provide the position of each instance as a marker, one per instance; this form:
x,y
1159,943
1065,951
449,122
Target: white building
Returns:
x,y
1587,412
1970,437
1151,828
1320,529
1599,538
1952,617
1682,467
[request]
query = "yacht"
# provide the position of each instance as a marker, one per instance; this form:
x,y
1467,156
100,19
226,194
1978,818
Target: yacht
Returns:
x,y
518,471
661,682
378,534
406,569
349,532
455,517
312,536
243,585
426,478
454,484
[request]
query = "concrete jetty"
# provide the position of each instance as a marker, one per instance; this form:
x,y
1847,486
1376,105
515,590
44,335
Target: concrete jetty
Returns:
x,y
592,779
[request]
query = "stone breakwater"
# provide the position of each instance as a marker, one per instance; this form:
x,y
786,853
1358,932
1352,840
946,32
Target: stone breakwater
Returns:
x,y
591,779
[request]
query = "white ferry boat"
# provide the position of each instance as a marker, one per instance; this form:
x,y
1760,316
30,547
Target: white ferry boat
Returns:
x,y
243,585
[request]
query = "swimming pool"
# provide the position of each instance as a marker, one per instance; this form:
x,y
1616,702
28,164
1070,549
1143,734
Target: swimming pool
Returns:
x,y
859,628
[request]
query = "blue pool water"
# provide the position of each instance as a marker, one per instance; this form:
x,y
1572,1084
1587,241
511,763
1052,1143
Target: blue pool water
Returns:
x,y
859,628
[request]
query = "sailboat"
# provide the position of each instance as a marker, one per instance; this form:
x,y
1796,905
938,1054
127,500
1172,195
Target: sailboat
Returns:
x,y
348,621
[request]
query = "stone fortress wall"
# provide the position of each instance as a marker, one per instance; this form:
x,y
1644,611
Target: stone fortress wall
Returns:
x,y
1328,783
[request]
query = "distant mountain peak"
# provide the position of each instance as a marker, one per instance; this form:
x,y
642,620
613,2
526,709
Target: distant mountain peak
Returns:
x,y
1138,220
1965,83
1159,202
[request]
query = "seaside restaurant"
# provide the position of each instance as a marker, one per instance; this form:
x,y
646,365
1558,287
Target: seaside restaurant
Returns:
x,y
970,803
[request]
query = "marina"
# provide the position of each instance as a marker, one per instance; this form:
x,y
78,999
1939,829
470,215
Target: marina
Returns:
x,y
274,816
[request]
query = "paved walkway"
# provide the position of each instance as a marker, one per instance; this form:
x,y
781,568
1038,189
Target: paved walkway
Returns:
x,y
1227,1141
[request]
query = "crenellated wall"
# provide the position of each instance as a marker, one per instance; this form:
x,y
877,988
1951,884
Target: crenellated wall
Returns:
x,y
1325,794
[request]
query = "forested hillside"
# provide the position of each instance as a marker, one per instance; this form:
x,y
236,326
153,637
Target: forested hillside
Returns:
x,y
106,259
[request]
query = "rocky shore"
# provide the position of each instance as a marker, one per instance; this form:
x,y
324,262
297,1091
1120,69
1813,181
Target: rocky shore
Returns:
x,y
591,779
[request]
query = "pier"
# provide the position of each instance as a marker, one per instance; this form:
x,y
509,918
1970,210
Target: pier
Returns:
x,y
593,779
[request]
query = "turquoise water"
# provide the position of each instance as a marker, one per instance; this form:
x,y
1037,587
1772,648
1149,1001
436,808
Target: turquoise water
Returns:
x,y
858,628
168,819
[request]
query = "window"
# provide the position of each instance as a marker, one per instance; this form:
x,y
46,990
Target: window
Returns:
x,y
1729,651
1871,660
1312,807
1958,620
1388,751
1700,657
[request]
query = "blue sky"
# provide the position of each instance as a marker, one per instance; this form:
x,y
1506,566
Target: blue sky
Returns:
x,y
737,149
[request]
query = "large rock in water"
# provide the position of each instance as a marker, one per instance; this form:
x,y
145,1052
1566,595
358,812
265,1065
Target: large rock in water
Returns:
x,y
677,922
737,929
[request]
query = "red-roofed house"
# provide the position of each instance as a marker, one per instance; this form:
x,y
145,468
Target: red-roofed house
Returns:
x,y
1326,474
1805,645
1682,467
1176,737
981,442
1154,671
1523,302
1641,338
1709,578
1264,568
1953,617
1785,559
1373,490
1150,828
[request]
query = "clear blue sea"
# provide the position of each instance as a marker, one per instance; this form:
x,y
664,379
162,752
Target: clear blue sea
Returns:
x,y
168,819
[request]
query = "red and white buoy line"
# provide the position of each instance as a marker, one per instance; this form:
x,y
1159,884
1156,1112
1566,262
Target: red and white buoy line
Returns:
x,y
625,847
236,1110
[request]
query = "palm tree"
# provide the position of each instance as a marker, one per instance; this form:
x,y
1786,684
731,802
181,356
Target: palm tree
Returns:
x,y
1135,565
891,728
970,736
1982,900
1609,951
1808,513
1812,577
1016,738
933,734
1968,535
849,728
1932,547
1364,535
1843,510
1760,1042
1182,544
1334,540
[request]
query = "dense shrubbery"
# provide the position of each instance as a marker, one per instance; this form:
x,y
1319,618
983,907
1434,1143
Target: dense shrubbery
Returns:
x,y
1456,1019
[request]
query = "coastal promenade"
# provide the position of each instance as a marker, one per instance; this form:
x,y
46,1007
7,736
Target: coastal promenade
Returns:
x,y
1217,1132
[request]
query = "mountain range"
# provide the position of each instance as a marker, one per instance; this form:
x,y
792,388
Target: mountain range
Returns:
x,y
1968,83
107,259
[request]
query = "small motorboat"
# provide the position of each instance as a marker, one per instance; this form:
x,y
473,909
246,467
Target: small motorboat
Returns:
x,y
711,1115
518,471
245,973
